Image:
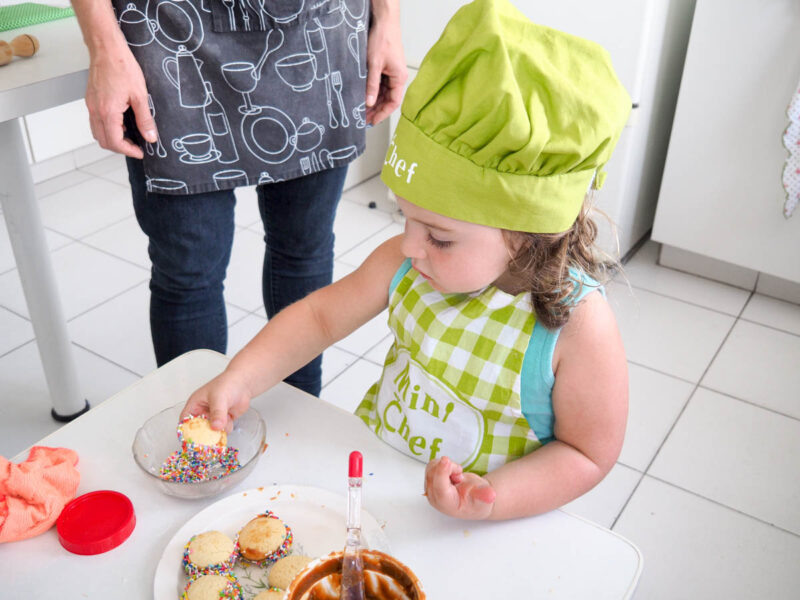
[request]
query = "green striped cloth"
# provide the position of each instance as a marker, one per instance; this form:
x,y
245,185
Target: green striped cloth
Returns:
x,y
30,13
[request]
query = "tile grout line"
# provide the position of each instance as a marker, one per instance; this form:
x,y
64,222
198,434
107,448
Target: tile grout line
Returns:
x,y
631,286
723,505
364,241
772,327
106,301
750,403
22,345
110,254
15,313
660,372
72,185
348,367
108,360
684,301
680,414
711,389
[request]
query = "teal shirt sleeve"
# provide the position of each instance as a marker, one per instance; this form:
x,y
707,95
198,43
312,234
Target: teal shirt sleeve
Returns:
x,y
537,378
401,272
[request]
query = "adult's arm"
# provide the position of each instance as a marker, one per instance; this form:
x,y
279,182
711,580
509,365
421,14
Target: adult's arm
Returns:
x,y
386,62
115,81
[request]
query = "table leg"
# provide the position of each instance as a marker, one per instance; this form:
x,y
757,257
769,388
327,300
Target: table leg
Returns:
x,y
24,222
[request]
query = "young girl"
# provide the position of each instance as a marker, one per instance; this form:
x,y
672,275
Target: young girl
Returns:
x,y
507,373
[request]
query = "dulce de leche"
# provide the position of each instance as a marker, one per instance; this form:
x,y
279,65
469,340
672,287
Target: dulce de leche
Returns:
x,y
385,578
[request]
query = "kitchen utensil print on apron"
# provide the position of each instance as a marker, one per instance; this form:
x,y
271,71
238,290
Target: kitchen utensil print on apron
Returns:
x,y
183,72
318,46
219,127
166,186
178,24
230,114
338,157
160,150
244,76
257,15
230,178
360,114
354,46
136,27
298,71
196,148
272,137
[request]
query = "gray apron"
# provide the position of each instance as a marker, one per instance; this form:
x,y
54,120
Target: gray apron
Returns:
x,y
248,91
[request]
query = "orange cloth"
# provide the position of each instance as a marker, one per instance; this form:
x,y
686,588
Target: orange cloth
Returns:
x,y
33,493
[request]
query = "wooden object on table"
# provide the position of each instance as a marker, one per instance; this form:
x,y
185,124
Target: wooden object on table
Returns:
x,y
24,45
6,53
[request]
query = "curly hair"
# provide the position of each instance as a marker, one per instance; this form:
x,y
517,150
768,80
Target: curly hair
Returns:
x,y
543,261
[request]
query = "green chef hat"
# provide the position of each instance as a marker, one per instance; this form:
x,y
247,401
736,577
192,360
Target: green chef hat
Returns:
x,y
507,123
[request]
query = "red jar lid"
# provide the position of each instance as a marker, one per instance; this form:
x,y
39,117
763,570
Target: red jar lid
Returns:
x,y
96,522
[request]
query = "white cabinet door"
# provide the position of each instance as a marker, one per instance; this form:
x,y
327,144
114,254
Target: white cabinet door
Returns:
x,y
722,193
621,26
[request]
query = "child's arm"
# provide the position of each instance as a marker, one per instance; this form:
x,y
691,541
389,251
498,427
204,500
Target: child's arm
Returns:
x,y
297,334
590,403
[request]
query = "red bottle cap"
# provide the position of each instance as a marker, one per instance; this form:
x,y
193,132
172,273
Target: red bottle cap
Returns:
x,y
96,522
355,464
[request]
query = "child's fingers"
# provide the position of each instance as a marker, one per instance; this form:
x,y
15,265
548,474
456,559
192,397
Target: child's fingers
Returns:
x,y
437,479
194,406
218,415
456,473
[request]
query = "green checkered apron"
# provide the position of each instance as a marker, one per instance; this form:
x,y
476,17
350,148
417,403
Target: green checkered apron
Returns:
x,y
451,380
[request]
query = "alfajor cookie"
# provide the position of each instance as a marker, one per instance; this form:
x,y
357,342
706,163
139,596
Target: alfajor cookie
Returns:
x,y
209,552
286,569
264,539
197,431
213,587
271,594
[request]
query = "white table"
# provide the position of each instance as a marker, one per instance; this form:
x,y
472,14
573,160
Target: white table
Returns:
x,y
56,75
553,556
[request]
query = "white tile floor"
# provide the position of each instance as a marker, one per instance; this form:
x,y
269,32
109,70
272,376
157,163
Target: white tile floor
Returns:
x,y
707,484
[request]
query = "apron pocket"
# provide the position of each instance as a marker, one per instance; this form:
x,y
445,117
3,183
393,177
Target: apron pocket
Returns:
x,y
262,15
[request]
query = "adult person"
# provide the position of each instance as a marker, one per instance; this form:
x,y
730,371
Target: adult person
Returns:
x,y
203,96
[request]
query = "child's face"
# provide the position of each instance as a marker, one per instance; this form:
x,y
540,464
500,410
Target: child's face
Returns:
x,y
454,256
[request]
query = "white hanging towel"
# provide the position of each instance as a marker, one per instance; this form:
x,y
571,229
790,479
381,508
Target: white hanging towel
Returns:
x,y
791,170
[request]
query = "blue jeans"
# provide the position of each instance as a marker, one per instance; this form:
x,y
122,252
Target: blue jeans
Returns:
x,y
190,240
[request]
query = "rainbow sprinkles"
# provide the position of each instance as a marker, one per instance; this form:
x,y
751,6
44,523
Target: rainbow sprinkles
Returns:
x,y
194,462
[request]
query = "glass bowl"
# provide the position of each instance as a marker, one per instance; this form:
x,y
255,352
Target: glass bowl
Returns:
x,y
158,438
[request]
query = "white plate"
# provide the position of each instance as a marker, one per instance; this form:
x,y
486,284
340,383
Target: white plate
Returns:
x,y
317,518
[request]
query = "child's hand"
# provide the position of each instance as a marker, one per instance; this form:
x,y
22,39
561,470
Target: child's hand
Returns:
x,y
455,493
223,399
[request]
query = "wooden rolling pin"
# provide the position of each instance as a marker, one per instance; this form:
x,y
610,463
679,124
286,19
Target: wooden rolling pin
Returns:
x,y
25,45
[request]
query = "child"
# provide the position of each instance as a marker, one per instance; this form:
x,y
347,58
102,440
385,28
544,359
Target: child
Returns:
x,y
507,373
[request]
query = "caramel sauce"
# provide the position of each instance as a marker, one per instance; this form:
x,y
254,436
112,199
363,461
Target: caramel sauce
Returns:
x,y
385,578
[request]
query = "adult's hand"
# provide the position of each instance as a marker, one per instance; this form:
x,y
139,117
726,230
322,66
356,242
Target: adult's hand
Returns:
x,y
386,63
115,82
